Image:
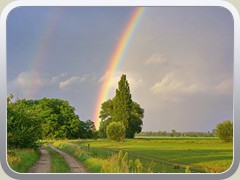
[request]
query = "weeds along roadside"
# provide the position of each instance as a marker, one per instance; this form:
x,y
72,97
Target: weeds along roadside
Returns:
x,y
20,160
114,163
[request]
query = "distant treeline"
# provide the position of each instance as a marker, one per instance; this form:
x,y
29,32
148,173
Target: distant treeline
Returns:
x,y
178,134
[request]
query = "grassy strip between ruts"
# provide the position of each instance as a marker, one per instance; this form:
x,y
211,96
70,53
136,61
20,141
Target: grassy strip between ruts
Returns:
x,y
58,163
20,160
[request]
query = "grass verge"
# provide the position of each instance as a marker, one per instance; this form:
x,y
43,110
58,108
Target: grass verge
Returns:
x,y
20,160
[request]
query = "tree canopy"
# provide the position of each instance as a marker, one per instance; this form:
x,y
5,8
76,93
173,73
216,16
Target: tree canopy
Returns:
x,y
224,131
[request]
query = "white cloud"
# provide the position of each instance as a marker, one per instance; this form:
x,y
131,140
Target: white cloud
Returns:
x,y
170,84
28,83
71,81
174,85
29,79
156,59
58,77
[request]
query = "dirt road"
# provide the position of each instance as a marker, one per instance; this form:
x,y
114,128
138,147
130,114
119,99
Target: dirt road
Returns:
x,y
43,165
74,165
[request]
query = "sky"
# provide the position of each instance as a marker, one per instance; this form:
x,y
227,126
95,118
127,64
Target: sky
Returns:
x,y
179,60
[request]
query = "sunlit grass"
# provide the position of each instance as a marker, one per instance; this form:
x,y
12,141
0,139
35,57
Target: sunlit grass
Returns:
x,y
20,160
199,154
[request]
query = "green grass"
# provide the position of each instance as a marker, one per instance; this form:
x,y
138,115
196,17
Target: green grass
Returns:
x,y
20,160
58,163
197,153
205,155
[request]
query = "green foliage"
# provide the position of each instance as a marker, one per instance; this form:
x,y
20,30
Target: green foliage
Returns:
x,y
87,130
122,109
224,131
31,120
23,125
117,163
59,119
187,169
116,131
122,102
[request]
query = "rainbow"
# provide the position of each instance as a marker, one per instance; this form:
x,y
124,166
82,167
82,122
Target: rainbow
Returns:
x,y
115,59
42,49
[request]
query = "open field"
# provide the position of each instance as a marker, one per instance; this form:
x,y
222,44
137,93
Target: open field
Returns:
x,y
166,155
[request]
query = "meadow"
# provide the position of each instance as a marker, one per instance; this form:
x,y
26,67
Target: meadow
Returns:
x,y
157,155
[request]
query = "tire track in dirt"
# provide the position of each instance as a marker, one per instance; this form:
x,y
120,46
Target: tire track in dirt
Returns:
x,y
74,165
43,165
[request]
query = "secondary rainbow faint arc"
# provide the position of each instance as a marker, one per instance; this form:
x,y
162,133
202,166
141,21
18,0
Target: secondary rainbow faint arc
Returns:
x,y
115,59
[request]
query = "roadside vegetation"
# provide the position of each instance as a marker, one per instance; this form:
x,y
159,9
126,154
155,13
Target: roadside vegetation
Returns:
x,y
20,160
162,155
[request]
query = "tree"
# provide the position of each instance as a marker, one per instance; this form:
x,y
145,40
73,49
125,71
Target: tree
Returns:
x,y
23,125
59,119
135,122
87,130
122,109
224,131
122,102
116,131
106,115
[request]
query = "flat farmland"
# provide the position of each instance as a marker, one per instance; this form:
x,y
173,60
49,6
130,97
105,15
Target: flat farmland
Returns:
x,y
168,155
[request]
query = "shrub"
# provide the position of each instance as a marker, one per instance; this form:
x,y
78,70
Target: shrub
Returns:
x,y
224,131
116,131
187,170
119,163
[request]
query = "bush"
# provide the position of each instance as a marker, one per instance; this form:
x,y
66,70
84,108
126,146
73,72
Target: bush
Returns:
x,y
116,131
224,131
23,130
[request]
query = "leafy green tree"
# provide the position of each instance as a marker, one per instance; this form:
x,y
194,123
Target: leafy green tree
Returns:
x,y
106,115
224,131
122,102
116,131
59,119
23,125
87,130
135,122
122,109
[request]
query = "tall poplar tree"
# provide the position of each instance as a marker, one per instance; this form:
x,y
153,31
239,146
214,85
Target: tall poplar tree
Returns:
x,y
122,102
122,109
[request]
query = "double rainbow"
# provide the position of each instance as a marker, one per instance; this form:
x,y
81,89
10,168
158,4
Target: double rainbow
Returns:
x,y
115,59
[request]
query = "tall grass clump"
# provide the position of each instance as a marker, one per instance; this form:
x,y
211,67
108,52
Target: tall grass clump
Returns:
x,y
119,163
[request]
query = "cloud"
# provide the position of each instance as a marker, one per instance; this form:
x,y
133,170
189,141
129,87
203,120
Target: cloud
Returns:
x,y
71,81
58,77
171,84
28,83
156,59
28,79
174,85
